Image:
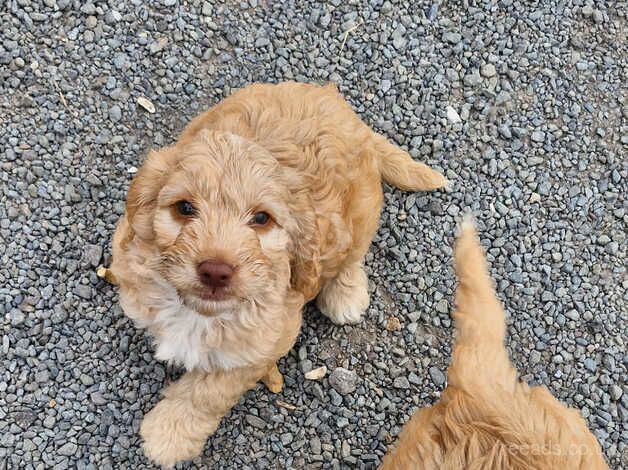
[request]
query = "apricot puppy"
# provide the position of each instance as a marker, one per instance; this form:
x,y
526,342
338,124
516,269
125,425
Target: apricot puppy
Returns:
x,y
486,418
267,200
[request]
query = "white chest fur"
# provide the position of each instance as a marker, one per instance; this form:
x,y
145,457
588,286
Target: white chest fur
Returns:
x,y
182,336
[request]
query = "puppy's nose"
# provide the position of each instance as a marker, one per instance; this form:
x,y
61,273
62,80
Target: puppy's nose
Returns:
x,y
214,273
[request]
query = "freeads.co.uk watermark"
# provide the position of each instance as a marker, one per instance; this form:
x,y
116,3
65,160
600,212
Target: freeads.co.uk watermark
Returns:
x,y
556,449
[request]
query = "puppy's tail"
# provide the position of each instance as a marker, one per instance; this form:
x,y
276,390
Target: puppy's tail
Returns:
x,y
479,356
398,169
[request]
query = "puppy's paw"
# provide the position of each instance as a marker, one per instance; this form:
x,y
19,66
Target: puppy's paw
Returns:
x,y
273,380
345,298
343,315
173,432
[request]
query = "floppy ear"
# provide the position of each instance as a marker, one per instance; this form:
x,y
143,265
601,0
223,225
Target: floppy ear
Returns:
x,y
144,189
305,261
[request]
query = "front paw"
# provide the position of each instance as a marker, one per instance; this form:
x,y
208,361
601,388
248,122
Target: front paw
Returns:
x,y
174,431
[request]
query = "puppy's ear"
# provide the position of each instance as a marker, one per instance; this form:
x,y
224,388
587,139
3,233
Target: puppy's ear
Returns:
x,y
305,265
144,189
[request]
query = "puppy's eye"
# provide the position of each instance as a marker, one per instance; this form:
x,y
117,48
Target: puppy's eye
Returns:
x,y
260,218
185,208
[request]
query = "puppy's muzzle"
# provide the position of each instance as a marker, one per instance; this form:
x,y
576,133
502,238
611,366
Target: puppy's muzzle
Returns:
x,y
215,274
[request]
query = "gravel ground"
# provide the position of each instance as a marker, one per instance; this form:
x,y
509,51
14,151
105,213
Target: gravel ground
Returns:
x,y
523,107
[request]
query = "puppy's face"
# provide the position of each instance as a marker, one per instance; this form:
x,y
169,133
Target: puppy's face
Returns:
x,y
218,211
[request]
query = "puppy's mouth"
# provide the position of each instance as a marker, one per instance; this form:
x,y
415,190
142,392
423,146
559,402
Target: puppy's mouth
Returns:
x,y
216,294
210,302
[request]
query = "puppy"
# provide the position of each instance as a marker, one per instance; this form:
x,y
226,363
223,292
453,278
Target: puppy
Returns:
x,y
267,200
486,418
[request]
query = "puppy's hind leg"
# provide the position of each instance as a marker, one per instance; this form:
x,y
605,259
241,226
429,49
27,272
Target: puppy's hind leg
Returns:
x,y
345,298
273,379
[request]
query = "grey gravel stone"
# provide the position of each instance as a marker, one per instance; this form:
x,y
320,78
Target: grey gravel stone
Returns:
x,y
505,132
68,449
573,315
538,136
83,291
16,316
88,8
442,306
437,376
383,404
115,113
473,78
590,364
42,377
86,379
49,422
616,392
256,421
343,381
93,254
262,42
401,382
598,16
452,37
488,70
98,399
158,45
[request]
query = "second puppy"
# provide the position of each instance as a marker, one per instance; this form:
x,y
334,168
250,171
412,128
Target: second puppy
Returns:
x,y
267,200
486,418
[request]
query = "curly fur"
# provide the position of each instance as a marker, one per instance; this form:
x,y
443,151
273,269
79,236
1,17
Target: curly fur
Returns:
x,y
293,150
486,418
